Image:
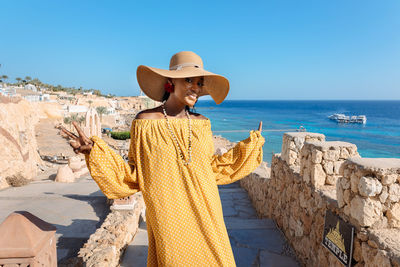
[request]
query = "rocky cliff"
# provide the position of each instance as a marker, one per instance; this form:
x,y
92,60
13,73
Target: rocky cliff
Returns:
x,y
19,150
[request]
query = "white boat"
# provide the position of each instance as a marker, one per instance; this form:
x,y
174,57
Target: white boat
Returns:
x,y
338,117
362,119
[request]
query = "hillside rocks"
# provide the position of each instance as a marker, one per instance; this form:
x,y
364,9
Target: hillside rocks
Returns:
x,y
17,140
17,137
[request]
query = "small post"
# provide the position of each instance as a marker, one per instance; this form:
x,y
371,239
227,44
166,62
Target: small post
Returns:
x,y
27,240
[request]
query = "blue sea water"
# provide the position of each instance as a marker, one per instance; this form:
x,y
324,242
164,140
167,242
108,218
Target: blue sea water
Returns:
x,y
379,137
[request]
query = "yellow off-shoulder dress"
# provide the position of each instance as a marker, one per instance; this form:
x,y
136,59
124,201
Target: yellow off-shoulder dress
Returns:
x,y
184,216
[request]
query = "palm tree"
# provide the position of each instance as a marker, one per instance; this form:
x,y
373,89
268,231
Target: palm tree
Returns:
x,y
101,111
68,121
4,77
81,119
36,81
74,117
28,78
18,79
90,102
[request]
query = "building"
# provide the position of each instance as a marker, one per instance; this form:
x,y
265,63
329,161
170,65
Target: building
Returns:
x,y
30,87
31,96
8,91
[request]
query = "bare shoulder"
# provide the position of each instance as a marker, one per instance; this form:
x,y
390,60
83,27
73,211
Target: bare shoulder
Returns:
x,y
150,114
198,116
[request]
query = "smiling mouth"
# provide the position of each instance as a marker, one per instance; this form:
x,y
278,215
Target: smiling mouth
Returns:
x,y
192,97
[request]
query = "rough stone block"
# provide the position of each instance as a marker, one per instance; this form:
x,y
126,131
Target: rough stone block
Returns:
x,y
354,179
357,250
393,215
384,195
345,183
344,153
389,179
369,186
306,175
317,175
76,164
340,195
316,156
65,175
332,155
296,226
365,211
331,179
328,167
374,257
346,196
337,167
346,210
394,192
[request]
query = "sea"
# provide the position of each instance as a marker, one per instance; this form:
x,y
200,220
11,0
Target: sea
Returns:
x,y
378,138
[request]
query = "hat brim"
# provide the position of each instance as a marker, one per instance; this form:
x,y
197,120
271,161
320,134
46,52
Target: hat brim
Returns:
x,y
151,81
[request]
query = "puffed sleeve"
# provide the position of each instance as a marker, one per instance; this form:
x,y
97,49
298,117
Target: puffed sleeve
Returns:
x,y
112,174
240,160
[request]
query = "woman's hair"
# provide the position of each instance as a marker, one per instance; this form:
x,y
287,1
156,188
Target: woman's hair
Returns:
x,y
166,96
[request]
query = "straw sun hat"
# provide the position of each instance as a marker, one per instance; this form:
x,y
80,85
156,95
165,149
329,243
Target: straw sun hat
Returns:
x,y
182,65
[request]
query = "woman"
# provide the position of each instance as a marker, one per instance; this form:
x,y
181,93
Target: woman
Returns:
x,y
172,161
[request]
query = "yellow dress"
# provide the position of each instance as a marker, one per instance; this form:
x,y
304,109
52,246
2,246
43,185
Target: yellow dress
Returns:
x,y
184,216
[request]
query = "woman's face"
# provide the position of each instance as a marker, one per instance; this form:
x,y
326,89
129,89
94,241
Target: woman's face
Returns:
x,y
187,90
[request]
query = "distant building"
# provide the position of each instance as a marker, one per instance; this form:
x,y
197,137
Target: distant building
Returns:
x,y
45,97
8,91
111,111
31,96
30,87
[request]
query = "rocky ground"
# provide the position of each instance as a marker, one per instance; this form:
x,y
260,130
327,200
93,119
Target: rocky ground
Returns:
x,y
49,140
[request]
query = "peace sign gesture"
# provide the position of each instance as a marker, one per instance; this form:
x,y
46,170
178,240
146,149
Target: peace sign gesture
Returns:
x,y
81,143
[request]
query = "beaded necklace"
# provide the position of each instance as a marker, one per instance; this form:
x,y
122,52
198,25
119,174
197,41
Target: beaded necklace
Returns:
x,y
176,140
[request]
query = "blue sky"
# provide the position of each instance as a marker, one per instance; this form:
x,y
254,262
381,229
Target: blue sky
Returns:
x,y
342,49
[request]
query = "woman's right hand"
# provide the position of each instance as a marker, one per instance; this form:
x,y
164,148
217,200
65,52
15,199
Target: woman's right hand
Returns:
x,y
81,143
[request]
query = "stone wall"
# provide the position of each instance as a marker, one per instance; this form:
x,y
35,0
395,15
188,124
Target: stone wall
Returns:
x,y
105,247
321,162
331,175
292,144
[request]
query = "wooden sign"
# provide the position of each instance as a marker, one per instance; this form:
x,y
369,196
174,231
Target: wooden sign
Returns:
x,y
338,238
